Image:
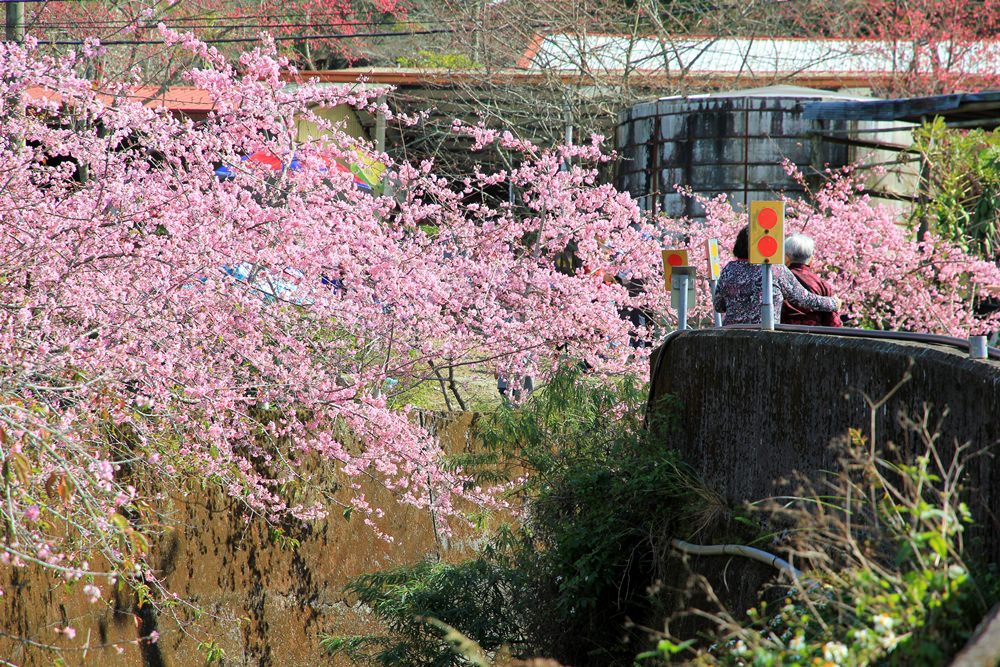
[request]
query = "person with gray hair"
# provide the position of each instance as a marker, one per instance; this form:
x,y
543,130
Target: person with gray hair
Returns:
x,y
739,292
799,250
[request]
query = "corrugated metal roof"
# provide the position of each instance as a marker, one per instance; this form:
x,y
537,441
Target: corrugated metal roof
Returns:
x,y
755,57
966,108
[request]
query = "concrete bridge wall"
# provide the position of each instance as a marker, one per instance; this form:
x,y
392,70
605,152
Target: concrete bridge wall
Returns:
x,y
758,405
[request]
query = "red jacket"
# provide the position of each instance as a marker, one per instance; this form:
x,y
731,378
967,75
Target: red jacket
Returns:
x,y
812,282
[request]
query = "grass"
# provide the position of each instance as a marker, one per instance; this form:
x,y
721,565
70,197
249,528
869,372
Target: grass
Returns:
x,y
477,387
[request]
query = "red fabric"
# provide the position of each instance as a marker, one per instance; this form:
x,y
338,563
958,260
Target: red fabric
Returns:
x,y
268,159
812,282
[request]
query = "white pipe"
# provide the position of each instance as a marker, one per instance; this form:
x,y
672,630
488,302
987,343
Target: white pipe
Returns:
x,y
738,550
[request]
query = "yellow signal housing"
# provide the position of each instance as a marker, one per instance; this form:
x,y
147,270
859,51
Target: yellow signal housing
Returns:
x,y
767,232
712,255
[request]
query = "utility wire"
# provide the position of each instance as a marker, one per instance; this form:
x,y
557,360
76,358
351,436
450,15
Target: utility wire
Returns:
x,y
277,38
165,18
221,23
257,27
277,13
228,26
236,14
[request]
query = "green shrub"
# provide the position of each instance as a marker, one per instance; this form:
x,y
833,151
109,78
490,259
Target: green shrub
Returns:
x,y
433,60
472,597
601,500
885,580
961,186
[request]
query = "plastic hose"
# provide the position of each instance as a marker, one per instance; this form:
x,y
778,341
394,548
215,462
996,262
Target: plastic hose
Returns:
x,y
737,550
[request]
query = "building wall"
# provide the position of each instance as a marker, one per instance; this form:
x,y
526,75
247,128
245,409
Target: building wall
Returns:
x,y
341,114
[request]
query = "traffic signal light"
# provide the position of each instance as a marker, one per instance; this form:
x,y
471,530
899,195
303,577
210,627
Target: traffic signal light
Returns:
x,y
767,232
672,258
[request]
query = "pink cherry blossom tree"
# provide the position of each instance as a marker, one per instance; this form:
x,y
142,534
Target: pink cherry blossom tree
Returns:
x,y
887,278
160,326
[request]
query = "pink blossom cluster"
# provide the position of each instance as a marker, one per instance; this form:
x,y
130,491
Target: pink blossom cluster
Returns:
x,y
159,325
886,277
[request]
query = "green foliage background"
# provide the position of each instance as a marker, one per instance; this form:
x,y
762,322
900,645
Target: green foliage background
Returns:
x,y
961,186
601,500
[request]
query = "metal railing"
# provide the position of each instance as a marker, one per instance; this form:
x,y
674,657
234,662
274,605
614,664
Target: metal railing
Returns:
x,y
963,344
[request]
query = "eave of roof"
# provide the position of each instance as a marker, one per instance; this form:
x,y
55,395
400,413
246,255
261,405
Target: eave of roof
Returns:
x,y
967,108
174,98
179,99
402,77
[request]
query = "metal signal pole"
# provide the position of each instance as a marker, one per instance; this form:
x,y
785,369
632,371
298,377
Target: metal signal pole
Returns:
x,y
15,22
767,304
15,33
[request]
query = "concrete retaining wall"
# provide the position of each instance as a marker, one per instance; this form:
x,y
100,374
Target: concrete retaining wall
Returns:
x,y
758,405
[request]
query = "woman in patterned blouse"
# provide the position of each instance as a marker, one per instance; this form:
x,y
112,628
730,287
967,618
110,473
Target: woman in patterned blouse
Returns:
x,y
738,293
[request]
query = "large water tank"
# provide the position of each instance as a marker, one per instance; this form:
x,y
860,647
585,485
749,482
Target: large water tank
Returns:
x,y
732,143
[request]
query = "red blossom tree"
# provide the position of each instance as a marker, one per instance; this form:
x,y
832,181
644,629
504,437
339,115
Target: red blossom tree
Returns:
x,y
926,47
936,46
314,33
